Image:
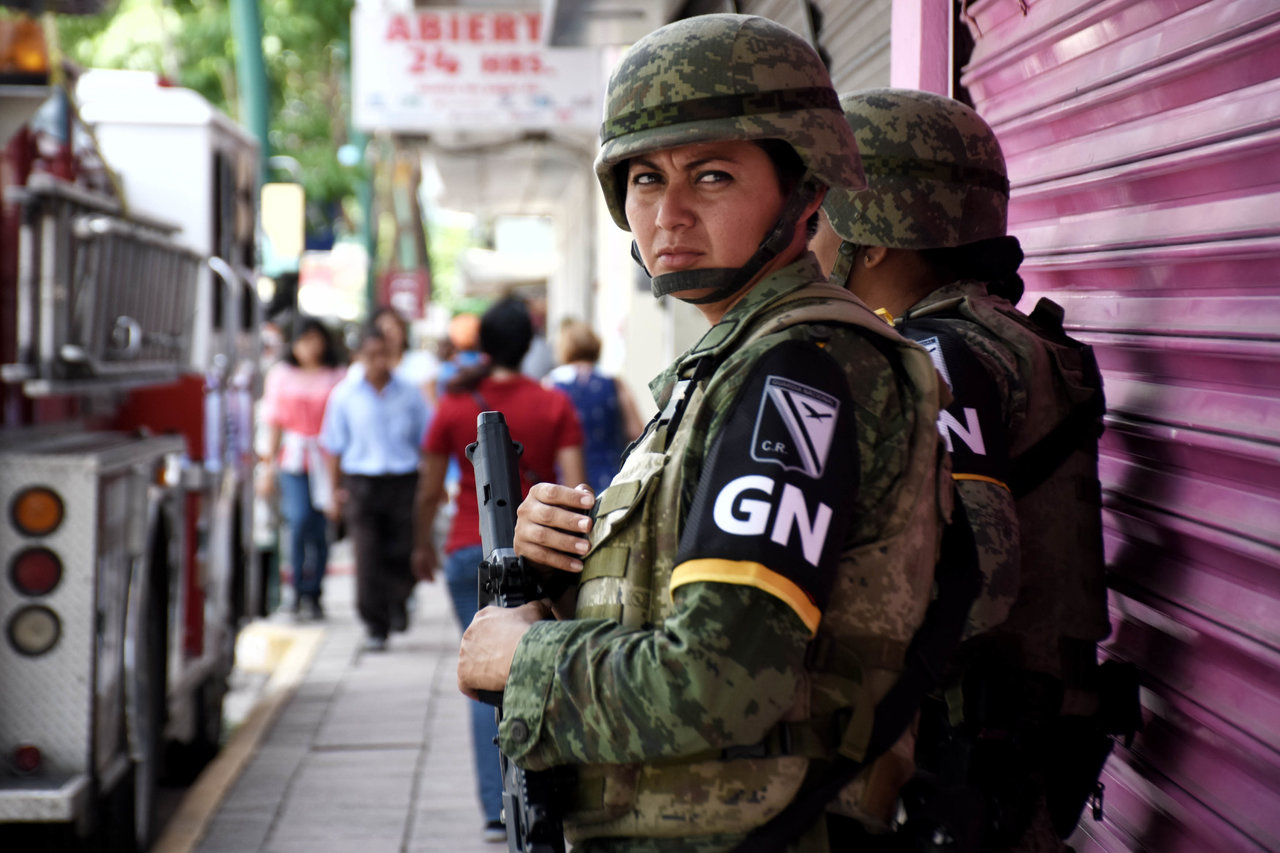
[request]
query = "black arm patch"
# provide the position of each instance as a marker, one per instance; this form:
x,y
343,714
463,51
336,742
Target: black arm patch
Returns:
x,y
779,481
973,426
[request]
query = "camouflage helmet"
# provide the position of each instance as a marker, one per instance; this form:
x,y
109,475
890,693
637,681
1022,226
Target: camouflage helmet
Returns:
x,y
716,77
935,173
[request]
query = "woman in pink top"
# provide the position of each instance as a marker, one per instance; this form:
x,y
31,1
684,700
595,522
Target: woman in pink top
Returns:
x,y
293,402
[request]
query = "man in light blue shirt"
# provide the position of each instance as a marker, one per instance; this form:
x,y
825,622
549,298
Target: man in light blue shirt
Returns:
x,y
372,431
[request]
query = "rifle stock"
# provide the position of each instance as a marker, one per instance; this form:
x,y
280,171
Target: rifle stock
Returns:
x,y
529,799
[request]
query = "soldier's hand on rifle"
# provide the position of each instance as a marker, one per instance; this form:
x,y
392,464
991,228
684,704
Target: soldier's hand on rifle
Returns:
x,y
551,525
489,645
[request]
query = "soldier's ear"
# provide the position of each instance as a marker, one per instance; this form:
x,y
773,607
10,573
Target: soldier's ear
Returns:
x,y
872,256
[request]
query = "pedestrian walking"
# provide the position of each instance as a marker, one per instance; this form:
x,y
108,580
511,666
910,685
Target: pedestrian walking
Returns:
x,y
755,571
294,395
545,424
418,367
608,412
372,428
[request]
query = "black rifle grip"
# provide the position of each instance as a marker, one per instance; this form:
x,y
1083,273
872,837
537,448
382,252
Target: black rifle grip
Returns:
x,y
530,808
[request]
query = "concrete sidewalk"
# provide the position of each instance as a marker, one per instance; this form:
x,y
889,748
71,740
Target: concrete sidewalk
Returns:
x,y
372,754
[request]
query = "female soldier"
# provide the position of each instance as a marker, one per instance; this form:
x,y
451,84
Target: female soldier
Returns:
x,y
743,557
925,243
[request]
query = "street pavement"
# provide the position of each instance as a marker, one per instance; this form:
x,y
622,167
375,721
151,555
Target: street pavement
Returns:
x,y
372,754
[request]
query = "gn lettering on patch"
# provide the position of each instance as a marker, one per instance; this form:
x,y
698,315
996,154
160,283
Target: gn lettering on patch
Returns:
x,y
795,425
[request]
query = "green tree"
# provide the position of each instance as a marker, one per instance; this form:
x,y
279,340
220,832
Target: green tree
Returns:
x,y
305,44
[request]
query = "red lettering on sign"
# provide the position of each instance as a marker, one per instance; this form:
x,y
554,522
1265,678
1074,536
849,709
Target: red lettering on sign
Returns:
x,y
511,63
425,58
504,28
429,27
477,27
397,28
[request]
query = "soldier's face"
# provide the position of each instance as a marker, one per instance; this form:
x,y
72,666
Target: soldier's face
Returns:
x,y
701,206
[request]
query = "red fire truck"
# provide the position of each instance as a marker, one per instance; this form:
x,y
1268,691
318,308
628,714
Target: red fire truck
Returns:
x,y
128,346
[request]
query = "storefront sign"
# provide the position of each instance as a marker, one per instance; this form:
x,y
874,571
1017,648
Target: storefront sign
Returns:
x,y
461,69
406,291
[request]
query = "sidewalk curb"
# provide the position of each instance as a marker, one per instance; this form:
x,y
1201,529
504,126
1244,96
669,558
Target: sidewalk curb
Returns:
x,y
189,824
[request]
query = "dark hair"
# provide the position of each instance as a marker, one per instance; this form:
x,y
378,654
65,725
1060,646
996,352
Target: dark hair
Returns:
x,y
388,311
370,332
505,333
994,261
790,169
330,357
786,162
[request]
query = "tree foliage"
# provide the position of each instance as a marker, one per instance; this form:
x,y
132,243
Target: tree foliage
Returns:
x,y
305,47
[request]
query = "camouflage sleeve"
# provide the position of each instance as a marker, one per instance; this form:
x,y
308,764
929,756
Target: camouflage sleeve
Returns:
x,y
995,529
721,671
773,500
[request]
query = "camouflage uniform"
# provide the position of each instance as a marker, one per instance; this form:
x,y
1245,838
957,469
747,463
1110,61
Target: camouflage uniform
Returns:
x,y
689,642
937,179
753,582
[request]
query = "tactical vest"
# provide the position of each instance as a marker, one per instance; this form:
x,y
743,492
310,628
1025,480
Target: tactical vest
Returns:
x,y
1061,609
878,599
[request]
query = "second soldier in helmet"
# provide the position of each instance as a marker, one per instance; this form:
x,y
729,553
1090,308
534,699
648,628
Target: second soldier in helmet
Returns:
x,y
925,242
785,500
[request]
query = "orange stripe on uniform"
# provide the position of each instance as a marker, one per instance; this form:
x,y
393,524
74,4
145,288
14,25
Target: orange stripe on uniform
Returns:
x,y
757,575
982,478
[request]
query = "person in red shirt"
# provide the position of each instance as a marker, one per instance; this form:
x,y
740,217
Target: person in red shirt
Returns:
x,y
546,423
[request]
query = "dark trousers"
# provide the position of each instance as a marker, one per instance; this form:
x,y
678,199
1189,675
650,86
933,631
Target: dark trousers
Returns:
x,y
379,515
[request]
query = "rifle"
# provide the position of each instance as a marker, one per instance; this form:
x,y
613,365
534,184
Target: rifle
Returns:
x,y
529,805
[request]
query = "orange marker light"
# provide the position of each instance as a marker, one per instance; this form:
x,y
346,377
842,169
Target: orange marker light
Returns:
x,y
22,46
37,511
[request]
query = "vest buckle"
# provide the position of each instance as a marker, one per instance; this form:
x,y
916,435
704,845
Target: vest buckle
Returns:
x,y
776,742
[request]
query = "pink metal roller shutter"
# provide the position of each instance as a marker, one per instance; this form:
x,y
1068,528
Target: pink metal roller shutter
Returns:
x,y
1143,141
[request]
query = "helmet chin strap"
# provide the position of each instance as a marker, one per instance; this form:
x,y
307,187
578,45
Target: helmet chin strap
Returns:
x,y
725,282
844,264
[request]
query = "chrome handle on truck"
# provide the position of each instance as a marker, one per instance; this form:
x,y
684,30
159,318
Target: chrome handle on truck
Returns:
x,y
126,335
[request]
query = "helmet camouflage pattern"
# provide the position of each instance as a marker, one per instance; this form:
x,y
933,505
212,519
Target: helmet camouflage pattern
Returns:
x,y
716,77
935,173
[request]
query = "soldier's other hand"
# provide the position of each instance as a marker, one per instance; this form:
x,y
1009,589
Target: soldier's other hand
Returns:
x,y
552,525
489,645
